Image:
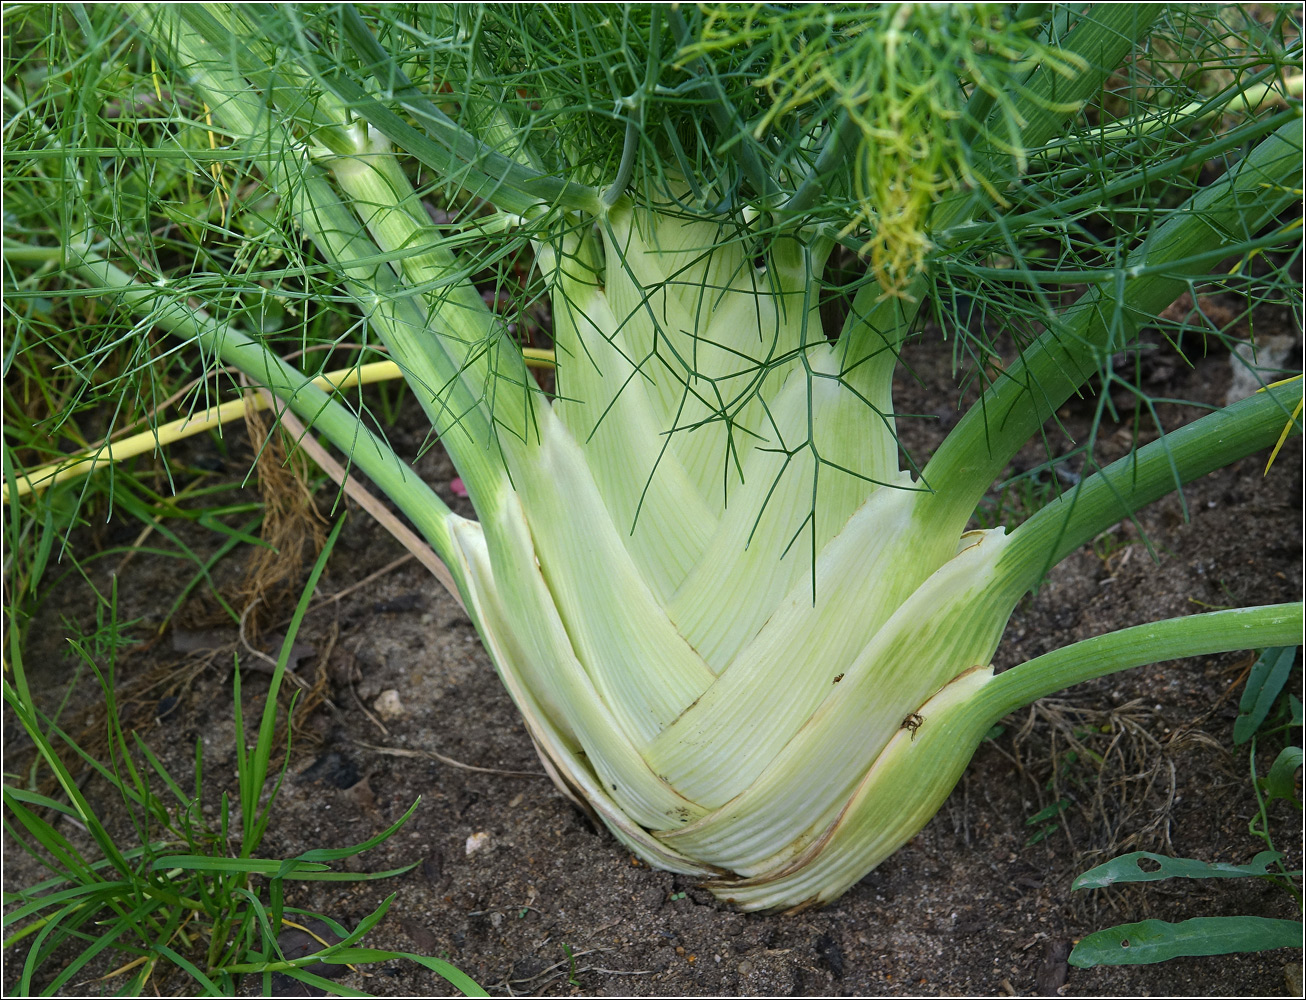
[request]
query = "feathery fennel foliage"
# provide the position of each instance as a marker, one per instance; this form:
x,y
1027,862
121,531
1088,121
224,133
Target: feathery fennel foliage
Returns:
x,y
742,625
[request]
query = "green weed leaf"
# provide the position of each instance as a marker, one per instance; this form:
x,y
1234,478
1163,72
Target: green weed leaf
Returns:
x,y
255,866
1269,674
1048,813
337,853
1281,782
1158,941
353,876
322,983
456,977
1126,869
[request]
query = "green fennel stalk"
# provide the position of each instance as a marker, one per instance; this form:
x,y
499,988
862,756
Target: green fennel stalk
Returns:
x,y
699,566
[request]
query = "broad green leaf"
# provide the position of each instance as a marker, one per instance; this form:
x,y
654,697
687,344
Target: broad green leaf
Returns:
x,y
1281,782
1158,941
1126,868
1269,674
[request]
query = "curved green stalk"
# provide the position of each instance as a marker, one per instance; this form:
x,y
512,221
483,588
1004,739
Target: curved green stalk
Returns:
x,y
917,771
450,374
440,143
1044,104
317,408
1128,178
744,148
1150,473
834,156
1067,355
1099,39
1172,639
1253,94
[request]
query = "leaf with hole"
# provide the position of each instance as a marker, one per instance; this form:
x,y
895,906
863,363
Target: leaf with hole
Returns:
x,y
1128,868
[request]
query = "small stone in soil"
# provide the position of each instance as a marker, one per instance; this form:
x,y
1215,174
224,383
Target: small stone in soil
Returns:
x,y
388,706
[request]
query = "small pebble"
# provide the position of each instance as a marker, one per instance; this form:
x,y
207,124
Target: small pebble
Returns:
x,y
745,967
477,840
388,705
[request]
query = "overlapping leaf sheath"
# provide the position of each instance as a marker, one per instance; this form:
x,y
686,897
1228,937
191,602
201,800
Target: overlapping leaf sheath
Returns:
x,y
706,592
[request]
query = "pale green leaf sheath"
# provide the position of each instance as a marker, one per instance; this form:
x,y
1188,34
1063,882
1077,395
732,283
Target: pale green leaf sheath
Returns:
x,y
740,627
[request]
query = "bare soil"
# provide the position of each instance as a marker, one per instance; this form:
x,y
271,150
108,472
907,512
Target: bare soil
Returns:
x,y
513,879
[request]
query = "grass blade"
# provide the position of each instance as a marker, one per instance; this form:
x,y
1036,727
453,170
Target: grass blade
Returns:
x,y
336,854
251,866
461,980
252,781
193,971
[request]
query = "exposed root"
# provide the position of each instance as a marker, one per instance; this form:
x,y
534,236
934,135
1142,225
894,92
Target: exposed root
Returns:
x,y
293,530
1116,771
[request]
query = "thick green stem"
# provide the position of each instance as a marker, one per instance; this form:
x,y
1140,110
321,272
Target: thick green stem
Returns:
x,y
1115,492
438,141
725,116
1172,639
451,379
315,406
1045,103
1266,87
833,159
1100,39
1102,322
1127,178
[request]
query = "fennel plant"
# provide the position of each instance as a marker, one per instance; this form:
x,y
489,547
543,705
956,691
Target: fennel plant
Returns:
x,y
742,625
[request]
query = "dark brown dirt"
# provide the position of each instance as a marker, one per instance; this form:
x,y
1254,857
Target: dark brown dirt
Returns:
x,y
967,908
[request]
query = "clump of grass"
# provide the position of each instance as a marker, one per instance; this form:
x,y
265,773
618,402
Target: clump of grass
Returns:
x,y
185,897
